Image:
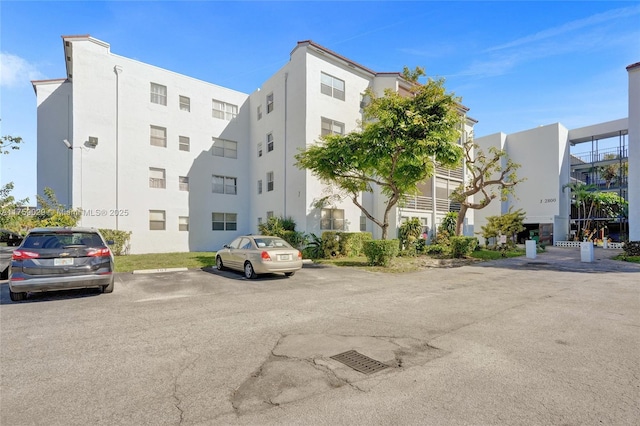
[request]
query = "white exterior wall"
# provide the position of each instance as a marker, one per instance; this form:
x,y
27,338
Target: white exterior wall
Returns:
x,y
94,176
319,105
54,160
634,152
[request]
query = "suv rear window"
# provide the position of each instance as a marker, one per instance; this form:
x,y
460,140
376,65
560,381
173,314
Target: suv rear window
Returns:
x,y
54,240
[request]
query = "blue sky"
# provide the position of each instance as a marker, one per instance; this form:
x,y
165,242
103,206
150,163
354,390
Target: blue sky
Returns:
x,y
516,65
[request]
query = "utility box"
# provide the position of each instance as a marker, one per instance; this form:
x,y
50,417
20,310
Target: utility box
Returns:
x,y
530,247
586,251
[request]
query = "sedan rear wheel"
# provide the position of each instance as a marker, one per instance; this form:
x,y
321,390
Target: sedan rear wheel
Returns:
x,y
16,297
248,270
219,265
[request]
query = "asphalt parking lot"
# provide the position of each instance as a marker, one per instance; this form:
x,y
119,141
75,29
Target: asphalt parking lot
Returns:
x,y
515,341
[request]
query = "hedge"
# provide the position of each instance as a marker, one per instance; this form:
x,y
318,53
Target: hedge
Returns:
x,y
631,248
463,246
380,252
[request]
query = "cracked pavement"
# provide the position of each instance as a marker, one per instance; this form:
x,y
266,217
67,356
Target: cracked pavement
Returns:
x,y
514,341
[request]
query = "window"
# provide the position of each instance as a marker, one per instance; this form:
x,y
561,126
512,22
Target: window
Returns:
x,y
224,185
224,221
331,127
156,220
185,104
158,94
269,215
259,111
158,136
363,223
225,148
259,221
184,143
332,86
224,110
183,223
260,186
332,219
183,183
270,181
269,103
156,178
270,142
259,149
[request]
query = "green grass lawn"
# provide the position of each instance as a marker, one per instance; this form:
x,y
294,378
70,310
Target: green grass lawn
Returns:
x,y
191,260
634,259
495,254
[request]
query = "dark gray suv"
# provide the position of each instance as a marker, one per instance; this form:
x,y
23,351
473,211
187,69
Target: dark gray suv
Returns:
x,y
60,259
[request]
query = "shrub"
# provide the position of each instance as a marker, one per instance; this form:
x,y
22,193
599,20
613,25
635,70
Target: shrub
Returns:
x,y
434,249
350,243
631,248
380,252
463,246
120,240
314,249
283,227
330,244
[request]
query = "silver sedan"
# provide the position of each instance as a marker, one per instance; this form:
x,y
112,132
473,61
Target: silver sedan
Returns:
x,y
259,254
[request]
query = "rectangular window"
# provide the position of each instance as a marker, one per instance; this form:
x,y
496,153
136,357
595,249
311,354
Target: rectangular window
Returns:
x,y
183,183
259,149
270,181
159,136
332,86
269,103
260,186
363,223
224,185
332,219
269,215
158,94
224,110
184,143
156,178
270,142
259,221
259,111
185,104
224,221
225,148
183,223
331,127
156,220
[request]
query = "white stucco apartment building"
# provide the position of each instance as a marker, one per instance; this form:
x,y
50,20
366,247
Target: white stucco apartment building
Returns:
x,y
188,165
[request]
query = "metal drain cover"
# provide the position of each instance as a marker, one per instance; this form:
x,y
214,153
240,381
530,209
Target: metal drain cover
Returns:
x,y
359,362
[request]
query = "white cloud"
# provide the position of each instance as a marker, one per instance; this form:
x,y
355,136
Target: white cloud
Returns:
x,y
572,26
16,71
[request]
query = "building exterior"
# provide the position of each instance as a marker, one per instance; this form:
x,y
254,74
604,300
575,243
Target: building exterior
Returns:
x,y
634,151
548,165
187,165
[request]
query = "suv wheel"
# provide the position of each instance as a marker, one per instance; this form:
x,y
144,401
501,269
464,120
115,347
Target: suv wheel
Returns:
x,y
16,297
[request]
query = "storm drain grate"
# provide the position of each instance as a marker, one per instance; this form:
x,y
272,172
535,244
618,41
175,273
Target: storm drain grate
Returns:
x,y
359,362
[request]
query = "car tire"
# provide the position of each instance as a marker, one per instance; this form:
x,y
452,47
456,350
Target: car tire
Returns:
x,y
108,288
219,265
289,274
248,271
16,297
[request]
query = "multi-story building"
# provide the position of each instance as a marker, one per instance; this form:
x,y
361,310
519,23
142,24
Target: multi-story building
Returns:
x,y
188,165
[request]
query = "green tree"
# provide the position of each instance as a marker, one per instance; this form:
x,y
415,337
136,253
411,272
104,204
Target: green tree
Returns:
x,y
10,208
395,148
589,203
491,175
508,224
52,213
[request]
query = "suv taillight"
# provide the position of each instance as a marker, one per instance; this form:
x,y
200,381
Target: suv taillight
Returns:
x,y
24,254
103,252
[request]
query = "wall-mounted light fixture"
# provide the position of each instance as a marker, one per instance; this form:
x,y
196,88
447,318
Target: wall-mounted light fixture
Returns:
x,y
92,142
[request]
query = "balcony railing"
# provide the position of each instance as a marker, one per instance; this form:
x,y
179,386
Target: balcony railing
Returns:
x,y
422,203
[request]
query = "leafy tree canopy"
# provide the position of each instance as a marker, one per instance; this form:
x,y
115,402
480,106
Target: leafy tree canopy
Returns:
x,y
400,137
9,142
